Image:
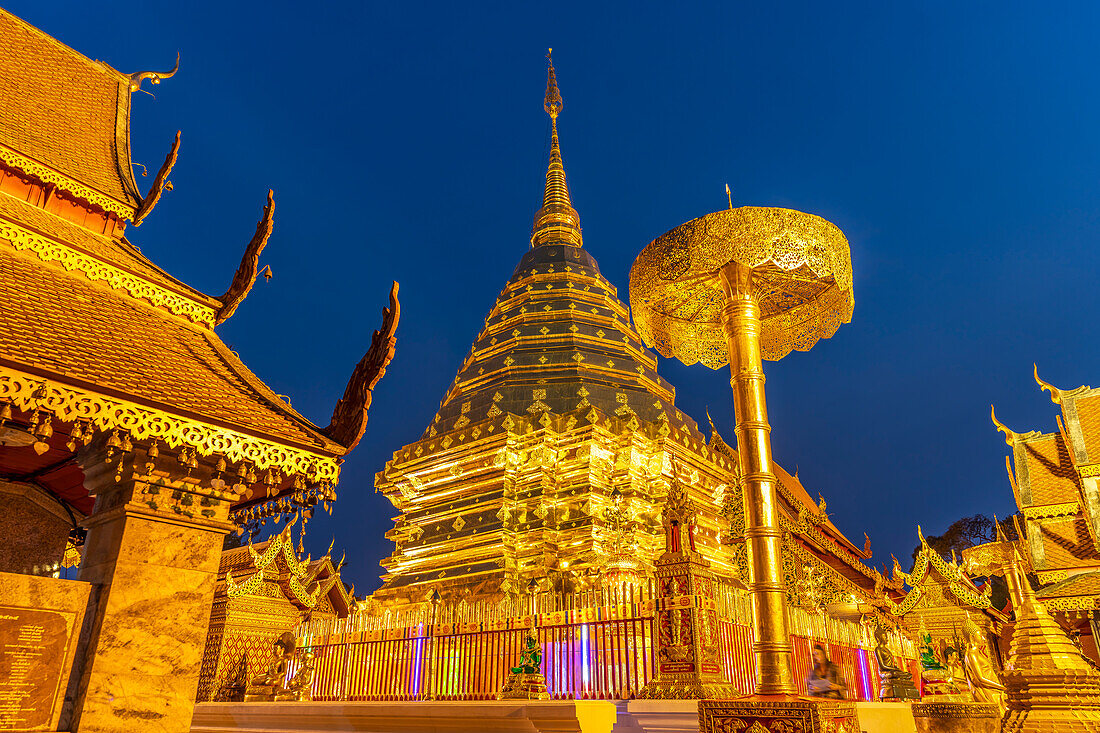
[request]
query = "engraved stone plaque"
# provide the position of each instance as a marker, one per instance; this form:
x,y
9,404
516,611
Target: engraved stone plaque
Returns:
x,y
33,646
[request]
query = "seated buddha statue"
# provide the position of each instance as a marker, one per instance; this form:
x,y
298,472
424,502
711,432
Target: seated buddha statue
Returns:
x,y
895,682
263,687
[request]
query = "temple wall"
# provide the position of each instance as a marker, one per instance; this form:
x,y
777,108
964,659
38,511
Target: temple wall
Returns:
x,y
35,529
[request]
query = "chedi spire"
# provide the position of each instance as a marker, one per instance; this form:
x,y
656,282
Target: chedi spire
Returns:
x,y
557,222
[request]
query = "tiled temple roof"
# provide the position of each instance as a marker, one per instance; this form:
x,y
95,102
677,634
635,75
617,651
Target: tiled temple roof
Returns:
x,y
65,112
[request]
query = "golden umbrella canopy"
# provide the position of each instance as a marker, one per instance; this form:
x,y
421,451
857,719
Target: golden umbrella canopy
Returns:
x,y
801,278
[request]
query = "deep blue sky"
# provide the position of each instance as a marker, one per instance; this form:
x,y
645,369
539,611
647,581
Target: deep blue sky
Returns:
x,y
954,143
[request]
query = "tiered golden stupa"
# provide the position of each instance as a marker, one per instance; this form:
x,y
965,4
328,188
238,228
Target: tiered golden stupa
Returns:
x,y
554,447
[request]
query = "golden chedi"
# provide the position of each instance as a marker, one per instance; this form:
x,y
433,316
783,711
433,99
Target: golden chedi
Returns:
x,y
555,446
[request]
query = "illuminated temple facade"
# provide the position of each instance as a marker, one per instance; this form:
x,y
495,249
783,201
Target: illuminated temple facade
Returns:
x,y
1055,479
555,446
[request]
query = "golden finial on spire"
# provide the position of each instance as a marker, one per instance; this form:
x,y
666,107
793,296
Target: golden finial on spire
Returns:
x,y
557,221
729,196
552,104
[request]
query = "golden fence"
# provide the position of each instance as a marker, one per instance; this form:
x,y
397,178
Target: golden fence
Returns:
x,y
596,644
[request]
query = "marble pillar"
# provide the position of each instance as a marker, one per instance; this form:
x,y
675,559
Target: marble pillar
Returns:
x,y
152,552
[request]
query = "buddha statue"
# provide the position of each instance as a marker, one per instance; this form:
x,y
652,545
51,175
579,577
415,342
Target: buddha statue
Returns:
x,y
984,682
895,682
530,659
264,687
300,687
526,681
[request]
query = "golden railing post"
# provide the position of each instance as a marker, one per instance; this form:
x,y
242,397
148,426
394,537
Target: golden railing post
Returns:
x,y
772,645
429,656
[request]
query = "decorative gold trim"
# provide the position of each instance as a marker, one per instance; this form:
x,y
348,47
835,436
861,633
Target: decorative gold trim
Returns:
x,y
1072,603
1091,471
1051,510
1051,576
69,404
49,250
49,175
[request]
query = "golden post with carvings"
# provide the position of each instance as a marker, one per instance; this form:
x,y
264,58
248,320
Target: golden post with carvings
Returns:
x,y
737,287
686,627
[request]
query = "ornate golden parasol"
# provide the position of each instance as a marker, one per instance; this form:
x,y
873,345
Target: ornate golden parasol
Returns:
x,y
737,287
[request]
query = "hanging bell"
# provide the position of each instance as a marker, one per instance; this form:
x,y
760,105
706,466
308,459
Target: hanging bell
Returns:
x,y
126,446
5,412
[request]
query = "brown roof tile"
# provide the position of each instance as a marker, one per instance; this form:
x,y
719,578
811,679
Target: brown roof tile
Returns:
x,y
1051,477
1067,544
60,323
65,111
120,253
1088,412
1084,584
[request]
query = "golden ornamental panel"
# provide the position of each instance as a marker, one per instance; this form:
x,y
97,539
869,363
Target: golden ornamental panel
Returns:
x,y
49,175
1067,509
70,404
49,250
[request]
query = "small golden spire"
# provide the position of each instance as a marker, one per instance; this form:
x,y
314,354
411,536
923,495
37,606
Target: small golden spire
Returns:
x,y
729,196
552,104
557,222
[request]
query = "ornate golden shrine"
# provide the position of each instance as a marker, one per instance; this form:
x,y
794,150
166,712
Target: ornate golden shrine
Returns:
x,y
1055,480
943,601
263,591
117,397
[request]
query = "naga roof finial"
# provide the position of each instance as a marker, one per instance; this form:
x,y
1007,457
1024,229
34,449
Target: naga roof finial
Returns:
x,y
1010,435
160,183
1055,393
349,417
245,276
153,76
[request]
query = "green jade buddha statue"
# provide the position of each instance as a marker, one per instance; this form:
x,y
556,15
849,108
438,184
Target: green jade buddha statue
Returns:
x,y
530,660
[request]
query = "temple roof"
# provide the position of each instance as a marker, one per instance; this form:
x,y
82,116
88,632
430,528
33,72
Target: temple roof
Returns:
x,y
66,328
78,131
94,336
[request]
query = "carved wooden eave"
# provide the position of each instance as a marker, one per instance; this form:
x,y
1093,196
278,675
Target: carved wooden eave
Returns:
x,y
149,202
349,418
97,412
245,276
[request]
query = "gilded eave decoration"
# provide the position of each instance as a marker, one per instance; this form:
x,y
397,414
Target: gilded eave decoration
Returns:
x,y
49,175
958,582
49,250
278,555
73,405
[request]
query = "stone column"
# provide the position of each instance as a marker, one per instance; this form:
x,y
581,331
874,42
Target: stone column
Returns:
x,y
152,552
